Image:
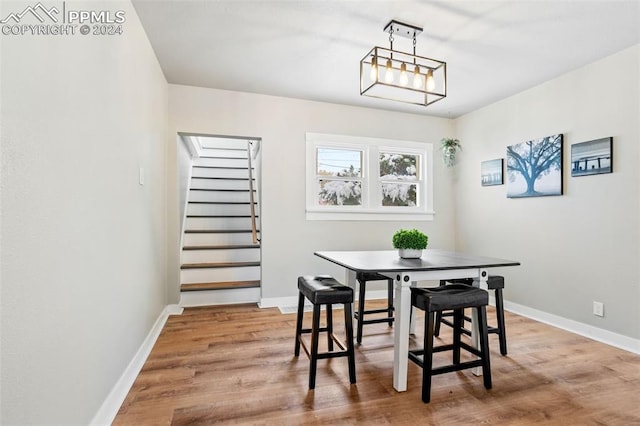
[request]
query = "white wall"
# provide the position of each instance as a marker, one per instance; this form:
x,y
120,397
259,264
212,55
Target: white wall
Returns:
x,y
288,239
83,247
577,248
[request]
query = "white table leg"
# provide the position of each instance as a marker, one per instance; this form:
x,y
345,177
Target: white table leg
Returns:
x,y
402,305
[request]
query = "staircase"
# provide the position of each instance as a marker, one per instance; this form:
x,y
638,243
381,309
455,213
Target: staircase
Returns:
x,y
220,259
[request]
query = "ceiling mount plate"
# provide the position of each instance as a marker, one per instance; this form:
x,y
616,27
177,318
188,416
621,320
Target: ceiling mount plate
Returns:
x,y
402,29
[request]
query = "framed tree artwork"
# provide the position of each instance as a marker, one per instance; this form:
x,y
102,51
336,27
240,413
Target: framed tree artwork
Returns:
x,y
534,168
491,172
592,158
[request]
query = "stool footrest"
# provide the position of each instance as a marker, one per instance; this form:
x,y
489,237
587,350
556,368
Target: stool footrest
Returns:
x,y
372,311
494,330
335,354
377,320
336,341
456,367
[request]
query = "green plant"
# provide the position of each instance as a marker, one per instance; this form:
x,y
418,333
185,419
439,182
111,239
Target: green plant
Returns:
x,y
410,239
450,143
449,147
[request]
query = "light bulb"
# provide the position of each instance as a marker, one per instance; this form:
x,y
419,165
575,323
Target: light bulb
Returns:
x,y
388,77
373,74
431,84
404,79
417,78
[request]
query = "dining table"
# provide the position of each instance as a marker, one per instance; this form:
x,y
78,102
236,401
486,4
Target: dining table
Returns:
x,y
433,265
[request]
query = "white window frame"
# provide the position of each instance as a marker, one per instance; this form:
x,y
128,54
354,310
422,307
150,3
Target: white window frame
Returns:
x,y
371,207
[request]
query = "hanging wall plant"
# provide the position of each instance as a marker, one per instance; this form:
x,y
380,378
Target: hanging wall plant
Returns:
x,y
449,148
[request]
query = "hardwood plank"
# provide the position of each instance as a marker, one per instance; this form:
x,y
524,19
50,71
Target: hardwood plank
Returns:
x,y
235,364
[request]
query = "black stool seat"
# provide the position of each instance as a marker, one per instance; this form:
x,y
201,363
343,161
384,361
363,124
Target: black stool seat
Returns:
x,y
449,297
495,283
453,297
359,315
324,290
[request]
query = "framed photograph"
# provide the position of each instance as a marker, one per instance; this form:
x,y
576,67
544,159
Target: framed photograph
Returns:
x,y
592,157
491,172
534,168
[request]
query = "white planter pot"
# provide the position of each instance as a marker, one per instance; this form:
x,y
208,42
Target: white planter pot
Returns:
x,y
410,253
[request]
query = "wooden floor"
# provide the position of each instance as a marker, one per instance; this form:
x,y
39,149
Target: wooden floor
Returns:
x,y
235,364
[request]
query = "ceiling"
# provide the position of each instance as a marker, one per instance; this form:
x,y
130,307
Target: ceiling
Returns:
x,y
311,49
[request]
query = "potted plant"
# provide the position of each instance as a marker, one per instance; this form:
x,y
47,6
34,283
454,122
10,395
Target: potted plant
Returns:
x,y
410,243
449,148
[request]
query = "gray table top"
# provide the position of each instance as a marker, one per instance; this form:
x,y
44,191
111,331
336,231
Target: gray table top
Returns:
x,y
431,260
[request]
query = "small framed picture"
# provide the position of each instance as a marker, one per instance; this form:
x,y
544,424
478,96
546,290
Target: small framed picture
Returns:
x,y
491,172
592,158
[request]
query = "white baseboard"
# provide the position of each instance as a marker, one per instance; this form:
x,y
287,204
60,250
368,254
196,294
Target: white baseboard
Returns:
x,y
595,333
219,297
109,409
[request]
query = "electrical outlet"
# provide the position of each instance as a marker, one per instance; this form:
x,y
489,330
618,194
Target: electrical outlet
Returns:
x,y
598,309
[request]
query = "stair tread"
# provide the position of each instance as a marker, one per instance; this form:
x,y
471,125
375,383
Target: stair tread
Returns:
x,y
219,285
220,167
218,265
218,231
224,158
222,148
221,247
221,202
220,215
216,189
220,178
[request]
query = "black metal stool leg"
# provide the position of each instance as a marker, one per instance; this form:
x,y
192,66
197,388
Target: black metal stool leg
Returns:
x,y
348,318
315,332
502,333
458,323
299,323
390,301
330,327
484,346
427,360
360,311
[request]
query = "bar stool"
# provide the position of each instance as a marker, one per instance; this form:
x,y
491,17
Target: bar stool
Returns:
x,y
496,283
454,297
324,290
362,278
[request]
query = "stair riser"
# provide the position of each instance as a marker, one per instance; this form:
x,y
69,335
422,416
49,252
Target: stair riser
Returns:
x,y
221,143
219,297
219,184
234,255
188,276
219,223
219,196
222,162
216,152
228,173
217,239
219,209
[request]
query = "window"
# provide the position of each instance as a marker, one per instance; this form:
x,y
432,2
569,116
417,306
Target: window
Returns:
x,y
354,178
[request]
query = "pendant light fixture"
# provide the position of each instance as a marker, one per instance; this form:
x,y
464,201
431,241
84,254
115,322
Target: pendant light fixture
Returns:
x,y
405,77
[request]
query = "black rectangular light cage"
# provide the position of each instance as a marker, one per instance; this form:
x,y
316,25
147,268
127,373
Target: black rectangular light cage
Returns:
x,y
414,79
